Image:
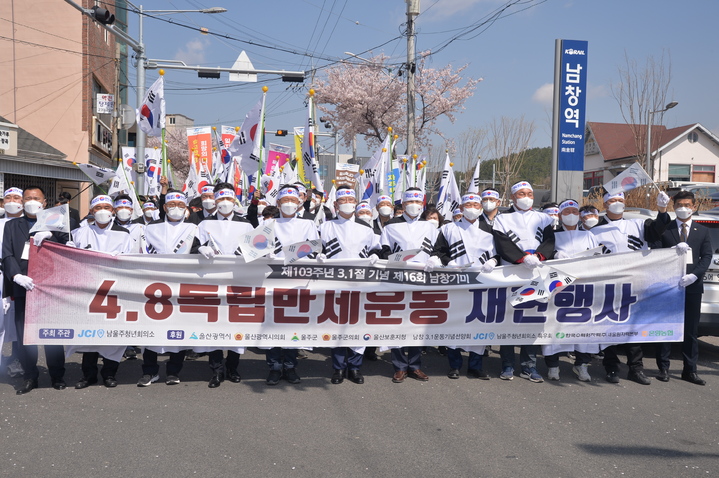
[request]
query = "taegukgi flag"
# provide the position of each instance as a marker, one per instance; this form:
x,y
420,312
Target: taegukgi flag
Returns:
x,y
96,174
151,116
633,177
300,250
259,242
54,219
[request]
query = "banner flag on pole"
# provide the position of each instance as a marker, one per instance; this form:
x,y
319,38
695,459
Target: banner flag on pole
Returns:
x,y
449,197
474,183
54,219
96,174
243,144
259,242
151,116
300,250
309,160
633,177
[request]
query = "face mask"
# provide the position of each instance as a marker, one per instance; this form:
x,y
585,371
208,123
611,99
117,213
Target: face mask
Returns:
x,y
489,206
570,219
347,208
13,207
683,212
413,210
366,218
208,204
386,211
103,216
123,214
32,207
225,207
471,213
434,222
313,204
260,208
148,213
524,203
288,208
176,213
616,208
591,222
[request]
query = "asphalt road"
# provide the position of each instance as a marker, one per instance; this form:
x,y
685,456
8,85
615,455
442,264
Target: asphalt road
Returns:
x,y
439,428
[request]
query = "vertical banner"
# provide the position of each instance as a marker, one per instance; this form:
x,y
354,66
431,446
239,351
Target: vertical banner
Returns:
x,y
199,140
569,117
277,156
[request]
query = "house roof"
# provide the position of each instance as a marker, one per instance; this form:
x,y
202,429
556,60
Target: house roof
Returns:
x,y
30,145
616,140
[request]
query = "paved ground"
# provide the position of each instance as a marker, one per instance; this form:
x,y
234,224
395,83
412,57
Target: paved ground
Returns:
x,y
440,428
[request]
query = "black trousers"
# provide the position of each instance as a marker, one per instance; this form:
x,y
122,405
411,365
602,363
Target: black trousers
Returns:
x,y
690,346
151,367
231,364
28,354
634,357
89,366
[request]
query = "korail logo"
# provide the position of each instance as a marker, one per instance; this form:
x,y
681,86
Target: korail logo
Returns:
x,y
572,51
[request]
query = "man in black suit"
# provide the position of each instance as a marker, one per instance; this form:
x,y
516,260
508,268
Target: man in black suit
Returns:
x,y
684,233
15,248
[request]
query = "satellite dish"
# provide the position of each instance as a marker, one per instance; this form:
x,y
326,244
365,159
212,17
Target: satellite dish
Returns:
x,y
126,116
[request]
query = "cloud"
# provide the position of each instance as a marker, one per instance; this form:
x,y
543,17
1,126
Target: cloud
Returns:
x,y
193,53
597,91
544,95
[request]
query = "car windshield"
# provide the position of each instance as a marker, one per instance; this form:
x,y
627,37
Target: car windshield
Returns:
x,y
713,226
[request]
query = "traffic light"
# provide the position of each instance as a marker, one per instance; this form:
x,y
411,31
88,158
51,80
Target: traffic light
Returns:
x,y
102,15
208,74
281,132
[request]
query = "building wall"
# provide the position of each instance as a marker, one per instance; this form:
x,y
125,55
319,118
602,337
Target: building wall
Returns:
x,y
701,153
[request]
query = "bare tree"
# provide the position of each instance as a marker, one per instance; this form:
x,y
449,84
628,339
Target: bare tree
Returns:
x,y
508,139
641,89
470,145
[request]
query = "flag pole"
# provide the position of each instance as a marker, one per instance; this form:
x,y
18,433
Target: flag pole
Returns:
x,y
262,135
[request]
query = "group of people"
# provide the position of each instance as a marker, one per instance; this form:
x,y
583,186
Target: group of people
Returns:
x,y
478,235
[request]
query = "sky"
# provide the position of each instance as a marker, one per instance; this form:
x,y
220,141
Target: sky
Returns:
x,y
514,54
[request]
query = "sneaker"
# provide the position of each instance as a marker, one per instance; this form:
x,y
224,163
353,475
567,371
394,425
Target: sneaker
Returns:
x,y
146,380
172,380
453,374
507,373
553,373
14,369
274,377
582,372
291,376
531,374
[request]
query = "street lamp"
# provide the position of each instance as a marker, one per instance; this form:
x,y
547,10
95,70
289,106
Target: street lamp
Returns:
x,y
650,116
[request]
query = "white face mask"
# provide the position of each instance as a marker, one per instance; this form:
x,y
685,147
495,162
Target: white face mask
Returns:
x,y
288,208
225,207
471,213
591,222
313,204
123,214
570,219
176,213
148,213
616,207
347,208
434,222
365,217
260,208
683,212
32,207
13,207
386,211
489,206
103,216
208,204
413,210
524,203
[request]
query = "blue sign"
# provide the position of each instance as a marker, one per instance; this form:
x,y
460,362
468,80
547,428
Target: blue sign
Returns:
x,y
572,105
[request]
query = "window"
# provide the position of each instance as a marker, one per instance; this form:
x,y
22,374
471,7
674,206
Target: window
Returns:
x,y
171,120
693,137
704,174
680,172
593,178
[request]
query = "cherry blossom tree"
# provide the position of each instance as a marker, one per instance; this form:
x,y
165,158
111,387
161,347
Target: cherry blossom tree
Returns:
x,y
365,99
177,152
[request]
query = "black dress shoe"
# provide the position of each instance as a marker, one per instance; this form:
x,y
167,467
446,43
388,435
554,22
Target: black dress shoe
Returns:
x,y
61,385
290,374
234,377
110,382
692,377
337,377
453,374
639,377
27,386
355,376
216,380
612,377
663,375
84,383
480,374
274,377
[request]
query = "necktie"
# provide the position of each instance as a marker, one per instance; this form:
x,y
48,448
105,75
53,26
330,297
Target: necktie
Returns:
x,y
683,235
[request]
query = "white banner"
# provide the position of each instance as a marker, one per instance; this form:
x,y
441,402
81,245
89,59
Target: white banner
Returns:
x,y
84,297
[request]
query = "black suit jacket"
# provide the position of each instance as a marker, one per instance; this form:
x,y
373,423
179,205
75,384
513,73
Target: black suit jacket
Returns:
x,y
17,233
701,245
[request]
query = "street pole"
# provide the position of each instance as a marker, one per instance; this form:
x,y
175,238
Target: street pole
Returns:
x,y
650,116
140,135
412,12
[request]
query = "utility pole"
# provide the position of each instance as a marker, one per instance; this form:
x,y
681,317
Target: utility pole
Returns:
x,y
412,12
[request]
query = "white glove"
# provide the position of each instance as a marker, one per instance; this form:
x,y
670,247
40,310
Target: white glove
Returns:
x,y
432,262
561,255
6,304
24,281
206,252
271,255
687,280
41,236
488,266
373,260
662,199
531,261
71,244
682,248
321,258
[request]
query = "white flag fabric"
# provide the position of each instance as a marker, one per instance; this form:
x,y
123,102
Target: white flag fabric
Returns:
x,y
403,256
542,287
312,169
153,168
449,197
259,242
633,177
243,144
474,183
190,187
300,250
270,186
96,174
370,181
54,219
151,116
